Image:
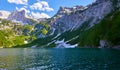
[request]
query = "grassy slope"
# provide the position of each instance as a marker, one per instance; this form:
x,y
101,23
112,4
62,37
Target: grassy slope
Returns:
x,y
9,34
15,34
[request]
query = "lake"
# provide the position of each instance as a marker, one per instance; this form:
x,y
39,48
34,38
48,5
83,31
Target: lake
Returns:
x,y
59,59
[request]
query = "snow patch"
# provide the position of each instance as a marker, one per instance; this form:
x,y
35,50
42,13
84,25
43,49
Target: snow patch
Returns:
x,y
63,44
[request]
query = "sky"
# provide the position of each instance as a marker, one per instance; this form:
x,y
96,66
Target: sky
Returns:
x,y
40,8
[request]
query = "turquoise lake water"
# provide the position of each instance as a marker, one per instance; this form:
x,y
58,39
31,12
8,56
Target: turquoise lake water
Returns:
x,y
59,59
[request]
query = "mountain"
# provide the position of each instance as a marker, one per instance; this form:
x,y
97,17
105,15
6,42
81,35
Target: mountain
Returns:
x,y
72,18
15,34
92,26
95,25
19,16
19,30
93,29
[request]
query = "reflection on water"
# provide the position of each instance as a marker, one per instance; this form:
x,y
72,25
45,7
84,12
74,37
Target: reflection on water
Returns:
x,y
63,59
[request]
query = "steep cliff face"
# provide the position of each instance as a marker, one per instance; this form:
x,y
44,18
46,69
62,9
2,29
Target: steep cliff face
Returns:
x,y
72,18
19,16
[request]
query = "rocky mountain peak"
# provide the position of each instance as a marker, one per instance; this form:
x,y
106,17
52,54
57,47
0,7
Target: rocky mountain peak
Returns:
x,y
74,17
64,10
22,12
19,16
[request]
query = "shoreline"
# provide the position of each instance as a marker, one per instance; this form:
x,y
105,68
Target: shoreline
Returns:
x,y
117,47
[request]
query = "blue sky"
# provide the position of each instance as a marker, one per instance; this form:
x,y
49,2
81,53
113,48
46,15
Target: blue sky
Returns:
x,y
40,7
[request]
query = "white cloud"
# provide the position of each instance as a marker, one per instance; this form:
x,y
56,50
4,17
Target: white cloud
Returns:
x,y
23,8
49,9
39,15
18,1
42,6
4,14
36,6
44,3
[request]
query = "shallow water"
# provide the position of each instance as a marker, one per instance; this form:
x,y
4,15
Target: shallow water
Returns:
x,y
59,59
